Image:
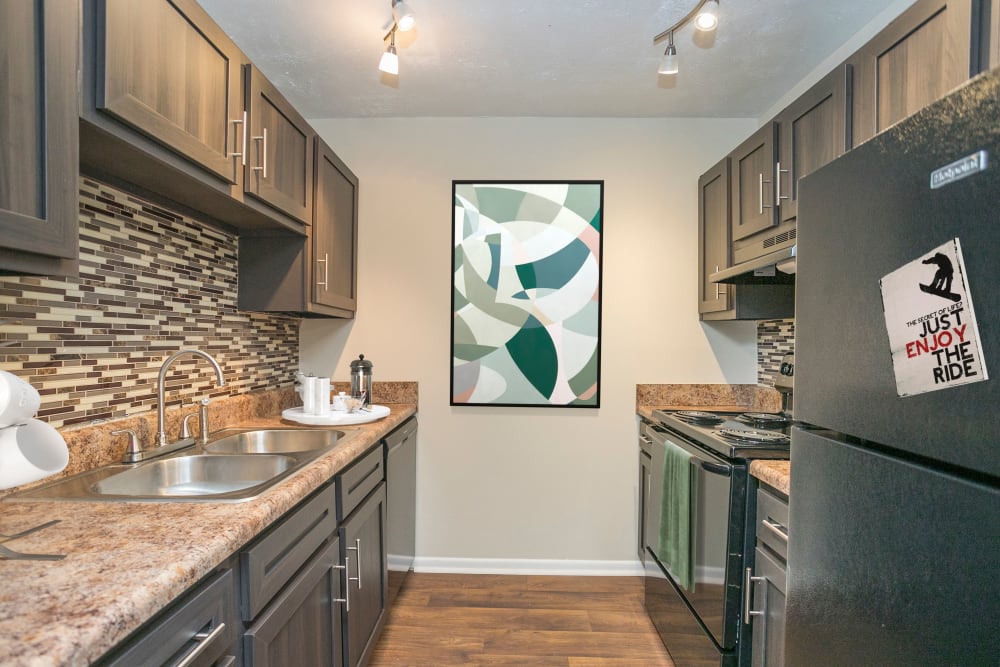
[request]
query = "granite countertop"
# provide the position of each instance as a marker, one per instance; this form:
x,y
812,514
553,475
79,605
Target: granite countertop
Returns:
x,y
127,560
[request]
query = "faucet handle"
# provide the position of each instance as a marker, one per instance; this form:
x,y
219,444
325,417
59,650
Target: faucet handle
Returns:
x,y
185,425
133,449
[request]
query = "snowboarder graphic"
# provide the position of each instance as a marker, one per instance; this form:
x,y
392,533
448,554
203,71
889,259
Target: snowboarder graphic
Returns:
x,y
941,285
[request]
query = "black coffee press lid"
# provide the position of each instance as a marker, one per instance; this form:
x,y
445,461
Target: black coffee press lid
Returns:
x,y
361,363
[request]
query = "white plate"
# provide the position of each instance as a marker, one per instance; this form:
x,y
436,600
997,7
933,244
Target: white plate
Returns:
x,y
336,418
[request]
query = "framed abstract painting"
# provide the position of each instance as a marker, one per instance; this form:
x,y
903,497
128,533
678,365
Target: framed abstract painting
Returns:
x,y
526,293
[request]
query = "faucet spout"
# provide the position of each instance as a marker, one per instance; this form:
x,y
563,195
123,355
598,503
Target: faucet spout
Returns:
x,y
161,435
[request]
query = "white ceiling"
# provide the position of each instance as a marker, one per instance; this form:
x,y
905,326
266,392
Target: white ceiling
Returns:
x,y
537,57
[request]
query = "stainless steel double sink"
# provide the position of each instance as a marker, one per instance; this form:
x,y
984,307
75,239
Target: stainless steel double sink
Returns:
x,y
237,464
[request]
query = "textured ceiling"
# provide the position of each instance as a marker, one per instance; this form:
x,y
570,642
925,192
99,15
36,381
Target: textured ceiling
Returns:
x,y
537,57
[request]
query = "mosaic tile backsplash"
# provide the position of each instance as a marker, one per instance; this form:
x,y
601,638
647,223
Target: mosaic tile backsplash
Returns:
x,y
775,338
151,282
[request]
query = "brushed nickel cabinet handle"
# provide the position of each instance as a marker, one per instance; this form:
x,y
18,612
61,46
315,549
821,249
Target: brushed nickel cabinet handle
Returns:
x,y
778,171
242,122
347,587
748,612
263,139
326,271
356,548
205,640
760,194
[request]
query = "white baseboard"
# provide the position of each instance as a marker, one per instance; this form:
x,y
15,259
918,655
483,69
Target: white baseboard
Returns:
x,y
580,568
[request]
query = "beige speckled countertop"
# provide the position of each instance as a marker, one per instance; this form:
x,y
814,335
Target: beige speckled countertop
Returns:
x,y
126,561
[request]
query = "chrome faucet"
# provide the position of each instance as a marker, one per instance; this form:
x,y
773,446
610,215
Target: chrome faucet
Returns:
x,y
161,435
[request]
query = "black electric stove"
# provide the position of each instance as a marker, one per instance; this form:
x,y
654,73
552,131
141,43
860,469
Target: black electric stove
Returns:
x,y
734,435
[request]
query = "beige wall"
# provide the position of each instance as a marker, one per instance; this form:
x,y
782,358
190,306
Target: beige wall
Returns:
x,y
506,483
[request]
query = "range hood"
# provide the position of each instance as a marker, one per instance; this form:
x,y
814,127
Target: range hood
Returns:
x,y
773,268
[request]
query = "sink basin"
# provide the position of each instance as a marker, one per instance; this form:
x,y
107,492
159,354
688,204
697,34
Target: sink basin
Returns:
x,y
195,475
239,465
276,441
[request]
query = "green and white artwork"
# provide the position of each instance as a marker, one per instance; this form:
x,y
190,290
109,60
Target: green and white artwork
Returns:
x,y
526,298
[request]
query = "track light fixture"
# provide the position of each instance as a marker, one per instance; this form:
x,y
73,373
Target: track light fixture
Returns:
x,y
403,16
706,18
403,19
668,65
389,63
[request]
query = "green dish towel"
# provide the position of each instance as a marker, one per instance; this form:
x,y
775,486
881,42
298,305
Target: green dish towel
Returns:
x,y
678,505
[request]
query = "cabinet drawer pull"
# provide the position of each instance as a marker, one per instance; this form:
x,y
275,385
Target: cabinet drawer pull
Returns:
x,y
347,584
718,287
242,122
263,139
357,549
205,640
775,528
749,613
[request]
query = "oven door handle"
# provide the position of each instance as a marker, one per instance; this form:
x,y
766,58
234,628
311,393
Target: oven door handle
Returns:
x,y
715,468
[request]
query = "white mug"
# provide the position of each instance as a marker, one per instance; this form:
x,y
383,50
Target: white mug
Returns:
x,y
19,401
29,452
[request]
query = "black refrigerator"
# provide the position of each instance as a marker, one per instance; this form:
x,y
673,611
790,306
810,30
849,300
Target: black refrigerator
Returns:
x,y
894,508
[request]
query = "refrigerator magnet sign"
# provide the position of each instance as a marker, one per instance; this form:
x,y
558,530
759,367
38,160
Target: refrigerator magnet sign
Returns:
x,y
933,335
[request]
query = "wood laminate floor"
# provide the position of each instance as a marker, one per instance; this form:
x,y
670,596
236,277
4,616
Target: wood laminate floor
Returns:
x,y
466,619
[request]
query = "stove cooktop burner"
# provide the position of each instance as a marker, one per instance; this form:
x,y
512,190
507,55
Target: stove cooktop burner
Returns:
x,y
763,418
698,417
751,436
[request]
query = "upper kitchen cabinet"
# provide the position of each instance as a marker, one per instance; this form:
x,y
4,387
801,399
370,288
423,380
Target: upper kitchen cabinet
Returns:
x,y
316,275
713,237
719,301
279,167
928,50
753,190
162,111
813,130
39,190
171,73
334,237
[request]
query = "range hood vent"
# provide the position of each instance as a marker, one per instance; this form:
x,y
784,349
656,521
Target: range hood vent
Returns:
x,y
774,268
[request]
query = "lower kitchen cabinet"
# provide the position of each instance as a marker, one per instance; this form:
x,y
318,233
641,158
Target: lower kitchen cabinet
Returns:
x,y
197,630
362,536
303,624
767,607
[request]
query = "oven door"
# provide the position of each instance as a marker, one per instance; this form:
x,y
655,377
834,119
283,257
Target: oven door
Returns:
x,y
720,511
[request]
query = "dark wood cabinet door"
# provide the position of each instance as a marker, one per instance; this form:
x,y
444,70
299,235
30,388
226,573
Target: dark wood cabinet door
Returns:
x,y
931,48
363,538
169,71
769,600
753,205
279,167
302,626
713,237
39,142
813,130
334,232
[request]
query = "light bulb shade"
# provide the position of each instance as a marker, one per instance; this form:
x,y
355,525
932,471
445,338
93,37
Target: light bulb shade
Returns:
x,y
389,62
708,17
403,16
668,65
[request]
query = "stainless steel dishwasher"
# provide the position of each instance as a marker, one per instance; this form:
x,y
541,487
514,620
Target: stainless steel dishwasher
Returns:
x,y
401,496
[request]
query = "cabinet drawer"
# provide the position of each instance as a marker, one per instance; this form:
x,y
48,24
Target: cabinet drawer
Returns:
x,y
355,483
268,565
772,522
196,630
